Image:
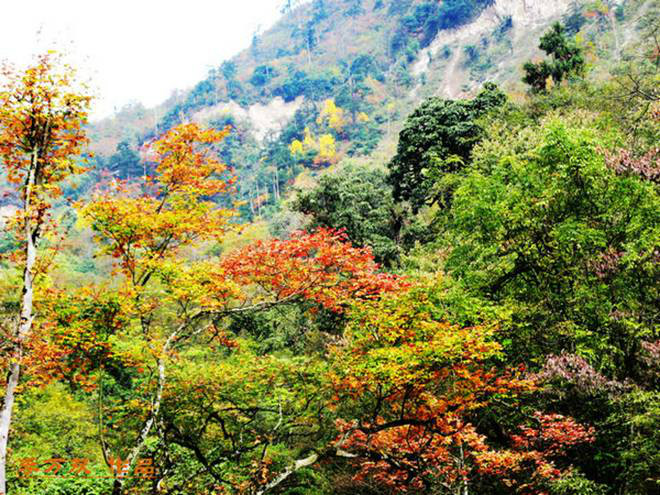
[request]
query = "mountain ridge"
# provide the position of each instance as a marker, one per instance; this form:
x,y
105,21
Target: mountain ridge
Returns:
x,y
374,58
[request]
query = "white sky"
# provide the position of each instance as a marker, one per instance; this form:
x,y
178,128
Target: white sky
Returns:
x,y
134,50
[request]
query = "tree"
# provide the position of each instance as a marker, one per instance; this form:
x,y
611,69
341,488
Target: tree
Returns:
x,y
327,148
413,382
359,202
566,60
636,95
228,69
563,239
262,75
170,302
533,463
321,266
255,46
260,412
126,163
324,150
332,115
437,139
145,233
42,117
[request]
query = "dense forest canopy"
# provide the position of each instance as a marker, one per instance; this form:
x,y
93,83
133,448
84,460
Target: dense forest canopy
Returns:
x,y
471,309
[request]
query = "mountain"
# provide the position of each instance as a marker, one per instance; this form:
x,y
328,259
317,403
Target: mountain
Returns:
x,y
375,60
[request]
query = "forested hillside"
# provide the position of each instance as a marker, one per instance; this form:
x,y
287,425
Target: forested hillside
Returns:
x,y
371,61
394,247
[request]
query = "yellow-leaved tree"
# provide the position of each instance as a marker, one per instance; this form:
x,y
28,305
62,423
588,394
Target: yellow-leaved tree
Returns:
x,y
43,111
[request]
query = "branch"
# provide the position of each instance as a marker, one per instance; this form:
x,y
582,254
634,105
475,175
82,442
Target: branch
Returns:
x,y
293,468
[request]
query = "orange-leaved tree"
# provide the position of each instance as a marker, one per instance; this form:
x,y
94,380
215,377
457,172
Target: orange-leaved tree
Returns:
x,y
536,456
252,438
43,111
173,291
321,266
414,385
146,230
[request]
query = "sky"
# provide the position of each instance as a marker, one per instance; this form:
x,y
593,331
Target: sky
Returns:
x,y
134,50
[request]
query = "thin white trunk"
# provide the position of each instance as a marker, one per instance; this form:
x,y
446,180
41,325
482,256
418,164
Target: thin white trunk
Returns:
x,y
155,409
464,484
258,199
612,17
25,324
296,466
277,183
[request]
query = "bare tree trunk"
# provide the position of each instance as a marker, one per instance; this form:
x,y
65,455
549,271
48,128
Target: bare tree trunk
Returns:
x,y
464,489
250,194
277,182
612,18
155,410
25,325
258,199
296,466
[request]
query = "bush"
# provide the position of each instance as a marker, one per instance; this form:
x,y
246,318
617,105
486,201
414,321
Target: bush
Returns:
x,y
262,75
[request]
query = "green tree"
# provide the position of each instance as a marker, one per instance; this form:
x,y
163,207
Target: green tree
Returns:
x,y
126,163
262,75
566,60
359,201
438,138
544,226
228,69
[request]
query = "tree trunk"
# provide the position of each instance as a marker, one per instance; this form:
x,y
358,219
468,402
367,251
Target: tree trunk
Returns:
x,y
25,324
118,485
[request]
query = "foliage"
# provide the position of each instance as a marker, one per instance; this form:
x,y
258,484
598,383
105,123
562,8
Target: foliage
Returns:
x,y
322,267
44,99
125,163
359,202
494,330
566,60
43,113
437,139
420,380
262,75
299,83
638,414
143,230
578,243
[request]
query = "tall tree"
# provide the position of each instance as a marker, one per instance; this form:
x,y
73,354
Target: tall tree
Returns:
x,y
126,162
146,232
545,222
43,112
358,201
171,300
566,60
437,138
419,383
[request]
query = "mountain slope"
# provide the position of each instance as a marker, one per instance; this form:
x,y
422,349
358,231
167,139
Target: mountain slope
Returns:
x,y
376,60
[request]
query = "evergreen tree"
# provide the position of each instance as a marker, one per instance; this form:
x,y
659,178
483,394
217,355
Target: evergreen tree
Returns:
x,y
437,139
566,60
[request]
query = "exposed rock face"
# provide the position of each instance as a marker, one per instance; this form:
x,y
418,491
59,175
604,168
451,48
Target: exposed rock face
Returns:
x,y
263,119
527,17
